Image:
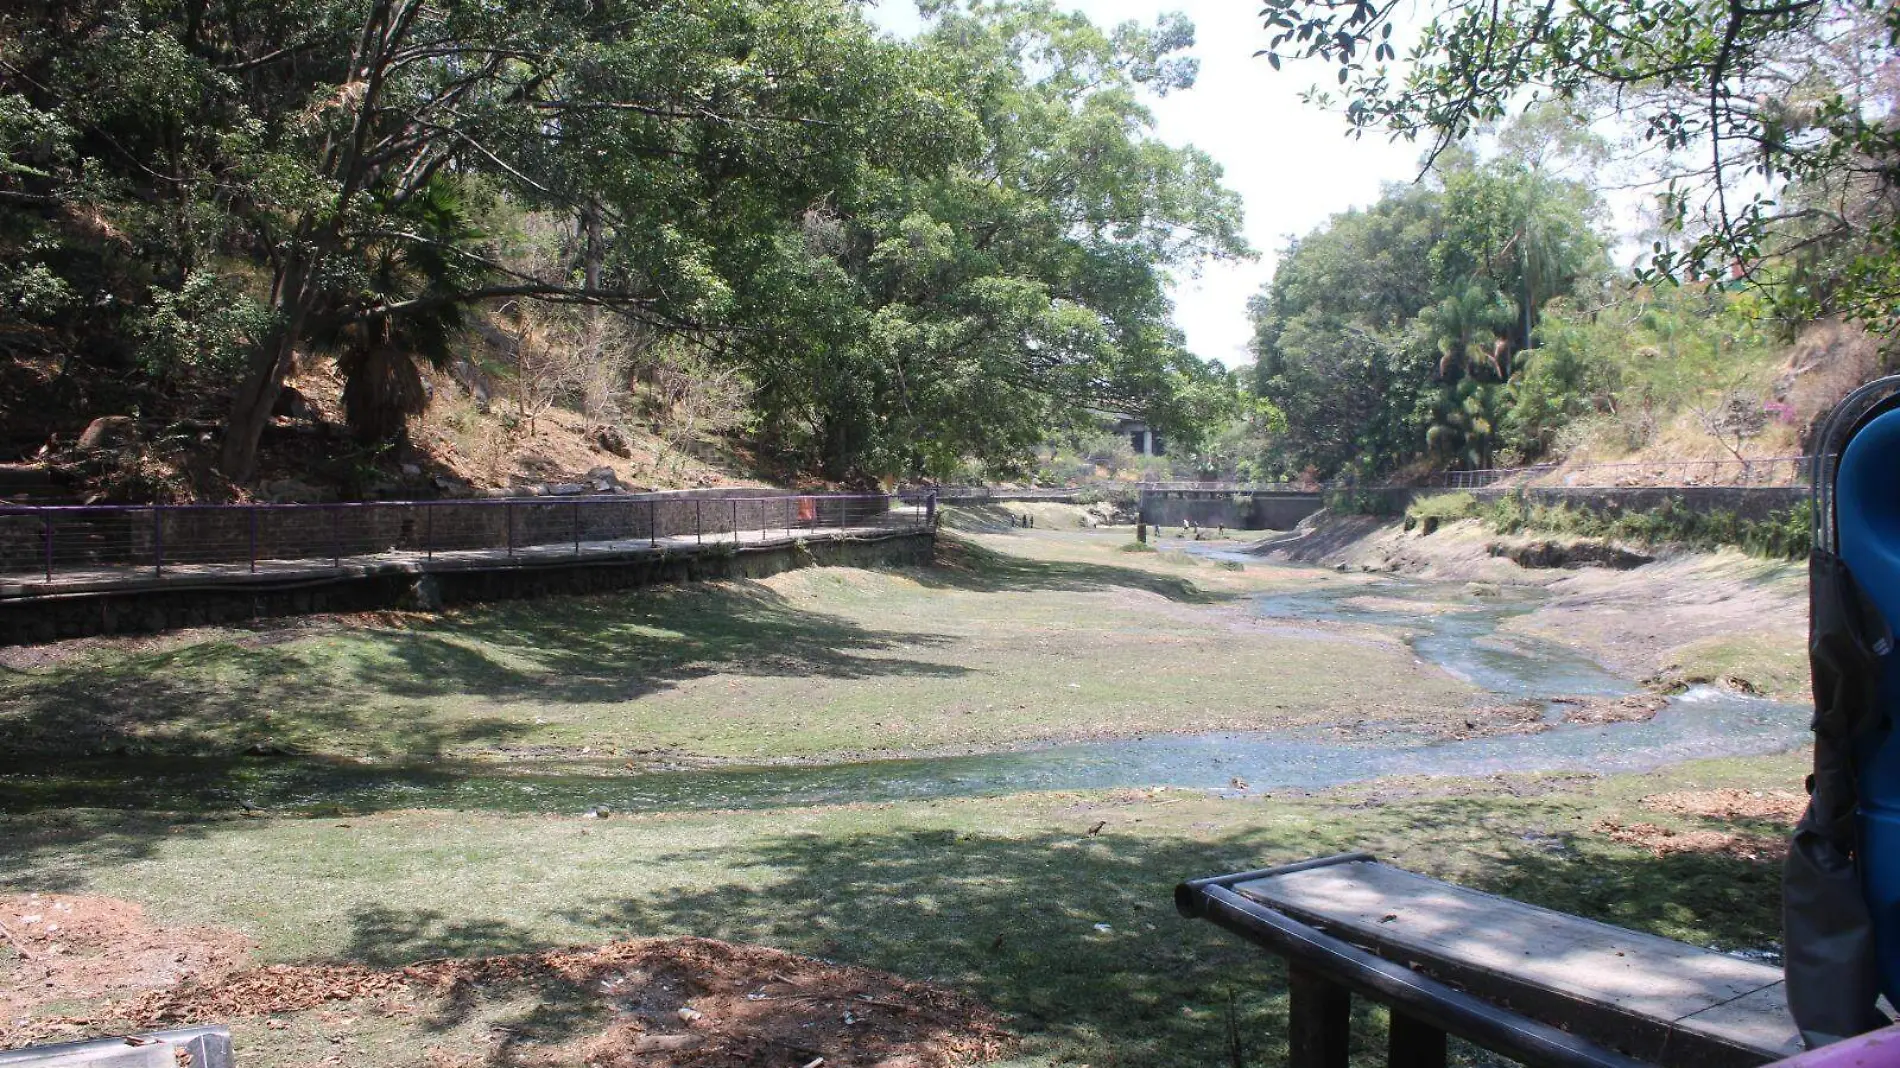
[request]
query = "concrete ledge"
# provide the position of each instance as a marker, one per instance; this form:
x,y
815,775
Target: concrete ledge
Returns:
x,y
130,604
1747,502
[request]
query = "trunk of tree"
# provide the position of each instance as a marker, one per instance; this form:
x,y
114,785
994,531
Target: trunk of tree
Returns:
x,y
270,364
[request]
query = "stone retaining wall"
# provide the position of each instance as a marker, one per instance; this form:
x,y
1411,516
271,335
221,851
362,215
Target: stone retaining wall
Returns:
x,y
160,607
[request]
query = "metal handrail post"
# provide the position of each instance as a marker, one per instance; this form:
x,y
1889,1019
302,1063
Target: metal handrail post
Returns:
x,y
699,521
577,528
509,522
428,532
46,518
251,514
158,541
735,520
336,539
653,523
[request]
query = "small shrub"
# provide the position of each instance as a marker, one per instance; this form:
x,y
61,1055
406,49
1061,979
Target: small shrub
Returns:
x,y
1444,506
1784,534
1352,500
1137,547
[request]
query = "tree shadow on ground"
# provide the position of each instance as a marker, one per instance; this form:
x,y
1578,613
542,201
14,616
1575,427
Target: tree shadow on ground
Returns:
x,y
1014,920
57,852
1070,933
965,565
225,697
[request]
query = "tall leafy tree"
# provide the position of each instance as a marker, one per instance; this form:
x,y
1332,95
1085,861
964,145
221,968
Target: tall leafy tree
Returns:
x,y
1773,124
1334,341
966,313
307,135
1390,334
913,253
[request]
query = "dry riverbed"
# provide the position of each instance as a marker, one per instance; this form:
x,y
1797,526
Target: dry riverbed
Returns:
x,y
1028,928
1011,640
458,938
1723,618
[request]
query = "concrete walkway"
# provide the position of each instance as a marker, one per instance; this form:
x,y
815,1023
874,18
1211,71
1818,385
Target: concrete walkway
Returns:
x,y
69,582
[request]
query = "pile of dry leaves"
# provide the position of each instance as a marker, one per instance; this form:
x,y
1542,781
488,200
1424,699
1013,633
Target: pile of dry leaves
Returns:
x,y
652,1003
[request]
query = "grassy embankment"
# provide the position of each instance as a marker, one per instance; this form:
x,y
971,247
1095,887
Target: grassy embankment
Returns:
x,y
1782,535
1063,639
999,897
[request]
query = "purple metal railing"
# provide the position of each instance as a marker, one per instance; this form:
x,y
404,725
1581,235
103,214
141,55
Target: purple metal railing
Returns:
x,y
84,542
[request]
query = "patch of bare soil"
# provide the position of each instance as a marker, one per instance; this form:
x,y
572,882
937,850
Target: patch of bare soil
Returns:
x,y
650,1003
1635,708
1664,841
1730,804
67,948
1521,717
1405,606
654,1003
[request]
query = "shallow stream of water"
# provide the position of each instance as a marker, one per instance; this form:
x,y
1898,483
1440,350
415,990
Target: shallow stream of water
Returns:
x,y
1450,628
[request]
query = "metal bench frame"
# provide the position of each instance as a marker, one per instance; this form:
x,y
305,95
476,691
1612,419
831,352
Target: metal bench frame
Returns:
x,y
1323,972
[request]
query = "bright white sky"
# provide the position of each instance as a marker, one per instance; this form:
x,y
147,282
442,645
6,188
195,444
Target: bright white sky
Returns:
x,y
1292,164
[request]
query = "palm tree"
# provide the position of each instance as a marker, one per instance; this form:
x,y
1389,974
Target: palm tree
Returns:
x,y
1467,327
388,315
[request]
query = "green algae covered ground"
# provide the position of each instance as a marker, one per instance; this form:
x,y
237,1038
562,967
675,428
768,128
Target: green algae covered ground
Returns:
x,y
1047,636
1054,908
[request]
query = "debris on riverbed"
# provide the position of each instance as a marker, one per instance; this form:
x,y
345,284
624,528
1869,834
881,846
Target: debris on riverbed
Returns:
x,y
1663,841
652,1003
1634,708
93,950
1518,717
1776,806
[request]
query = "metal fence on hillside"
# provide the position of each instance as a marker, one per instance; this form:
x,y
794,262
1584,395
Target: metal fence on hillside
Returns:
x,y
79,543
1762,471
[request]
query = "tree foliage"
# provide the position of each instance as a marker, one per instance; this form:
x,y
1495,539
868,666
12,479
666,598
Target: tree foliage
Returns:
x,y
914,253
1772,125
1389,335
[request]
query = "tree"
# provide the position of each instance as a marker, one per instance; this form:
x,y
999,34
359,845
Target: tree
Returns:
x,y
1774,122
966,315
1390,333
1334,349
907,254
313,135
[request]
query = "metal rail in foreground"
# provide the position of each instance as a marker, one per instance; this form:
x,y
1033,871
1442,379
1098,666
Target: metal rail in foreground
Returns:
x,y
1323,973
195,1047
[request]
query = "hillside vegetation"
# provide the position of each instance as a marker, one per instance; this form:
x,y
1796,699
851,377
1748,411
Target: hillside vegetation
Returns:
x,y
1474,320
849,256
